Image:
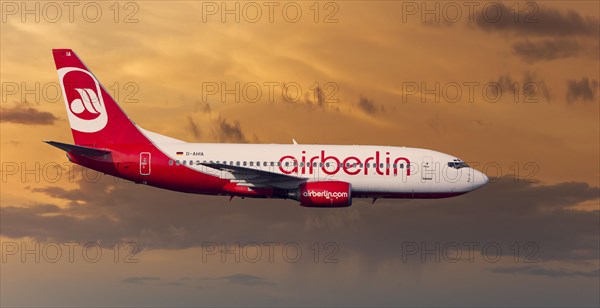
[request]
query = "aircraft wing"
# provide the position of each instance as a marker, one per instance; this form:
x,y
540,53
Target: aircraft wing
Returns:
x,y
258,178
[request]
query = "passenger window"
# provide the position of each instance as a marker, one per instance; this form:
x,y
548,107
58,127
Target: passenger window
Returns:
x,y
251,164
237,163
184,162
287,163
272,164
381,165
245,163
264,164
177,162
278,164
170,162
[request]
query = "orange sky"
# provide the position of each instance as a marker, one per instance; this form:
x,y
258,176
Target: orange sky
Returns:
x,y
378,59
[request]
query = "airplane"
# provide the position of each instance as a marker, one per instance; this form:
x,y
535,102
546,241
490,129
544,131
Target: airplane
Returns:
x,y
106,140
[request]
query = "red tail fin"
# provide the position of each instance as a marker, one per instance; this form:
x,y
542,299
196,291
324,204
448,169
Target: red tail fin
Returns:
x,y
95,118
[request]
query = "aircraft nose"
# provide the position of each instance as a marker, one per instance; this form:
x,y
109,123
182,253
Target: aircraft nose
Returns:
x,y
479,179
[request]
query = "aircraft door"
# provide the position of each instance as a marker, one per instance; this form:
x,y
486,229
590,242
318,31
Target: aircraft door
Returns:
x,y
145,163
427,168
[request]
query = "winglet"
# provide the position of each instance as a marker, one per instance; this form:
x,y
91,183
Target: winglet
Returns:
x,y
294,141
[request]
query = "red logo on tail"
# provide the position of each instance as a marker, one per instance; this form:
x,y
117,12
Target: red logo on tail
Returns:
x,y
82,97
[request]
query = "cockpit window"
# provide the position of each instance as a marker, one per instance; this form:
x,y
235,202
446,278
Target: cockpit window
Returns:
x,y
457,164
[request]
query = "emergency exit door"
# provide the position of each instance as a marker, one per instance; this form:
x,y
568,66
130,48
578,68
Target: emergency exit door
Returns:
x,y
145,163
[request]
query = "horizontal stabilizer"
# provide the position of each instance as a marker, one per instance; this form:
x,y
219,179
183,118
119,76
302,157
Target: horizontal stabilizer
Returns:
x,y
77,149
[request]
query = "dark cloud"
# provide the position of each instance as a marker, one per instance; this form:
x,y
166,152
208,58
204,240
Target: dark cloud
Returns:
x,y
203,107
545,50
503,212
534,87
369,106
541,271
140,280
246,280
531,87
584,90
229,132
194,128
14,143
24,114
535,20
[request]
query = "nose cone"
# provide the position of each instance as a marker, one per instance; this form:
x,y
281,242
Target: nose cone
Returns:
x,y
479,179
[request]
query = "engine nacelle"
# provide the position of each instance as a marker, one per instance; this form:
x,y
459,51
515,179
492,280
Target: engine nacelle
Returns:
x,y
325,194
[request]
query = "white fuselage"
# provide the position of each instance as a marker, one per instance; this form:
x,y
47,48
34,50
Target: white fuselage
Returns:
x,y
370,169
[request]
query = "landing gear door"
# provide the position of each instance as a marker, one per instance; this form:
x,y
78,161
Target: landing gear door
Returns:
x,y
145,163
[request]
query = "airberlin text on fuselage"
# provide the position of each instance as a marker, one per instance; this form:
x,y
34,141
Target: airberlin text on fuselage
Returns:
x,y
351,165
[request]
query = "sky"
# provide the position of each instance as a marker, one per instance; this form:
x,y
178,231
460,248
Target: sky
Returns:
x,y
510,87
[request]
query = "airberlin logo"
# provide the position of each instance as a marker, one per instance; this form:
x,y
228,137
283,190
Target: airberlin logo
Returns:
x,y
85,107
378,163
83,98
325,193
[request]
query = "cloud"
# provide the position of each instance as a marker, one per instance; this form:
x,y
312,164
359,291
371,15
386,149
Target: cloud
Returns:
x,y
229,132
535,87
24,114
541,271
369,106
531,87
194,128
246,280
535,20
14,143
140,280
503,212
202,107
584,90
545,50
